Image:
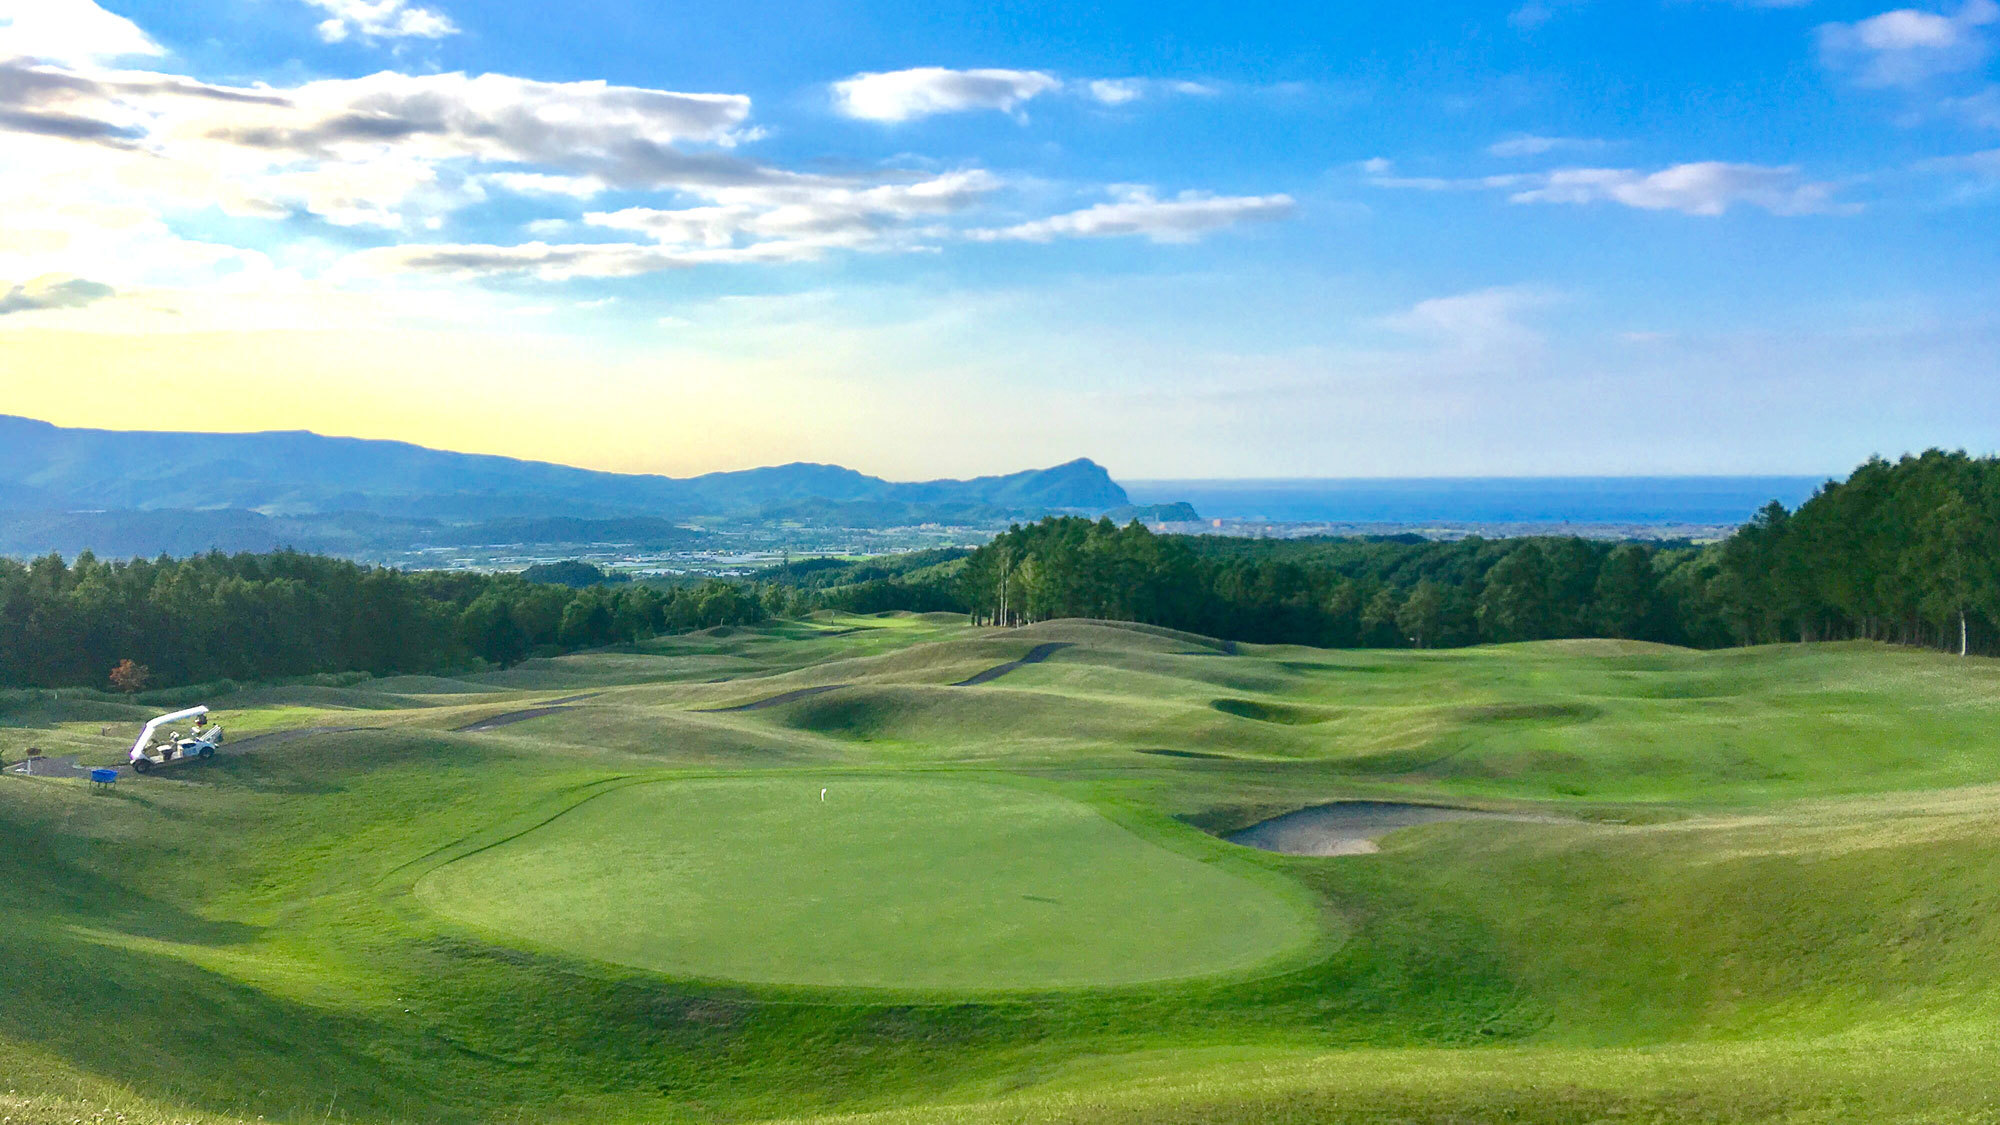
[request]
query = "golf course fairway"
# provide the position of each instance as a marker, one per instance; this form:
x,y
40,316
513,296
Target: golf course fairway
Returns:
x,y
876,882
1745,887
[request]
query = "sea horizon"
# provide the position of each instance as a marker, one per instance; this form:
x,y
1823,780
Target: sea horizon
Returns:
x,y
1634,500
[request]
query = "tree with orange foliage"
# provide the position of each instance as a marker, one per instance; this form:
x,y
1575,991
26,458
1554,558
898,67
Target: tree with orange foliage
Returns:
x,y
129,677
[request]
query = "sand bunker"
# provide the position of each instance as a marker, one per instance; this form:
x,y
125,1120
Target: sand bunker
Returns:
x,y
1348,827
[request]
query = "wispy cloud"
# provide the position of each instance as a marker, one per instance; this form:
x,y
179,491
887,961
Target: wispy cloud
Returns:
x,y
927,91
1535,13
1121,91
1486,322
824,214
1705,188
1531,144
1980,109
1138,211
1709,187
1970,177
1117,91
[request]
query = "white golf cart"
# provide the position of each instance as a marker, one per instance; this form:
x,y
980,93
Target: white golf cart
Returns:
x,y
199,742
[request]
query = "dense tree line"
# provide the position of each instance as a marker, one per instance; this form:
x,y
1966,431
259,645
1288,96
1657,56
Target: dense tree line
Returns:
x,y
271,616
1906,551
917,581
1339,593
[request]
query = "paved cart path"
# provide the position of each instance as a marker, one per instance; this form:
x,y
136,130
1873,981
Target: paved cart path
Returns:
x,y
776,700
1035,655
67,766
508,719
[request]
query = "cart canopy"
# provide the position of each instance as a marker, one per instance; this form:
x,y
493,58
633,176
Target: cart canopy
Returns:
x,y
154,724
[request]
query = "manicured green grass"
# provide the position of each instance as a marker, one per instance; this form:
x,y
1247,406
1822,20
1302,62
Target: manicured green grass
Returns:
x,y
1767,889
877,882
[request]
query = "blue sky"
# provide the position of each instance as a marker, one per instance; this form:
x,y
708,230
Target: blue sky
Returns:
x,y
1561,237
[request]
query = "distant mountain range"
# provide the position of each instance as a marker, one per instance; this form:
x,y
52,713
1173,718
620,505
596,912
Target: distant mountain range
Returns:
x,y
125,492
298,473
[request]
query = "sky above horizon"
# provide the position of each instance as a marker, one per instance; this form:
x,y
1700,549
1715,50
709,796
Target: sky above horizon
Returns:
x,y
1557,237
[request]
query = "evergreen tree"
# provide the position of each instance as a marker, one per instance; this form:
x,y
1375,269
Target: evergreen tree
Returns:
x,y
1421,617
1516,604
1623,602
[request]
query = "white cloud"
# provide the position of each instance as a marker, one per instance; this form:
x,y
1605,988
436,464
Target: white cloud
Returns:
x,y
816,213
380,19
904,95
562,261
1909,47
1705,188
102,170
1529,144
1485,322
544,183
800,221
1184,218
1122,91
365,151
1116,91
626,135
95,164
803,221
1708,187
73,32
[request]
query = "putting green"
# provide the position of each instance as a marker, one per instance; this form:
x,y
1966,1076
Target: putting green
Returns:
x,y
887,883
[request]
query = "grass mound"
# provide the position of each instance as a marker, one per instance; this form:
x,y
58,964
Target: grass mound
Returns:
x,y
885,883
1270,712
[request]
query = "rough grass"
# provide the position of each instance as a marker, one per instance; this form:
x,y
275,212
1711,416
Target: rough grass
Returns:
x,y
1770,897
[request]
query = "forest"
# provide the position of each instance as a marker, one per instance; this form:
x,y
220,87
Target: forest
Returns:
x,y
1906,552
271,616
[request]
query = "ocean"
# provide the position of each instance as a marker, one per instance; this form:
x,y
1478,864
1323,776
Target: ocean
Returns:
x,y
1635,501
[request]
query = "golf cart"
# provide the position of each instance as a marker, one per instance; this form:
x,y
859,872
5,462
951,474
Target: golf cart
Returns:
x,y
200,741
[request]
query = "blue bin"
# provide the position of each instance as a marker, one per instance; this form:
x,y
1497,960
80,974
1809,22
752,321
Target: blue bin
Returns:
x,y
104,777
